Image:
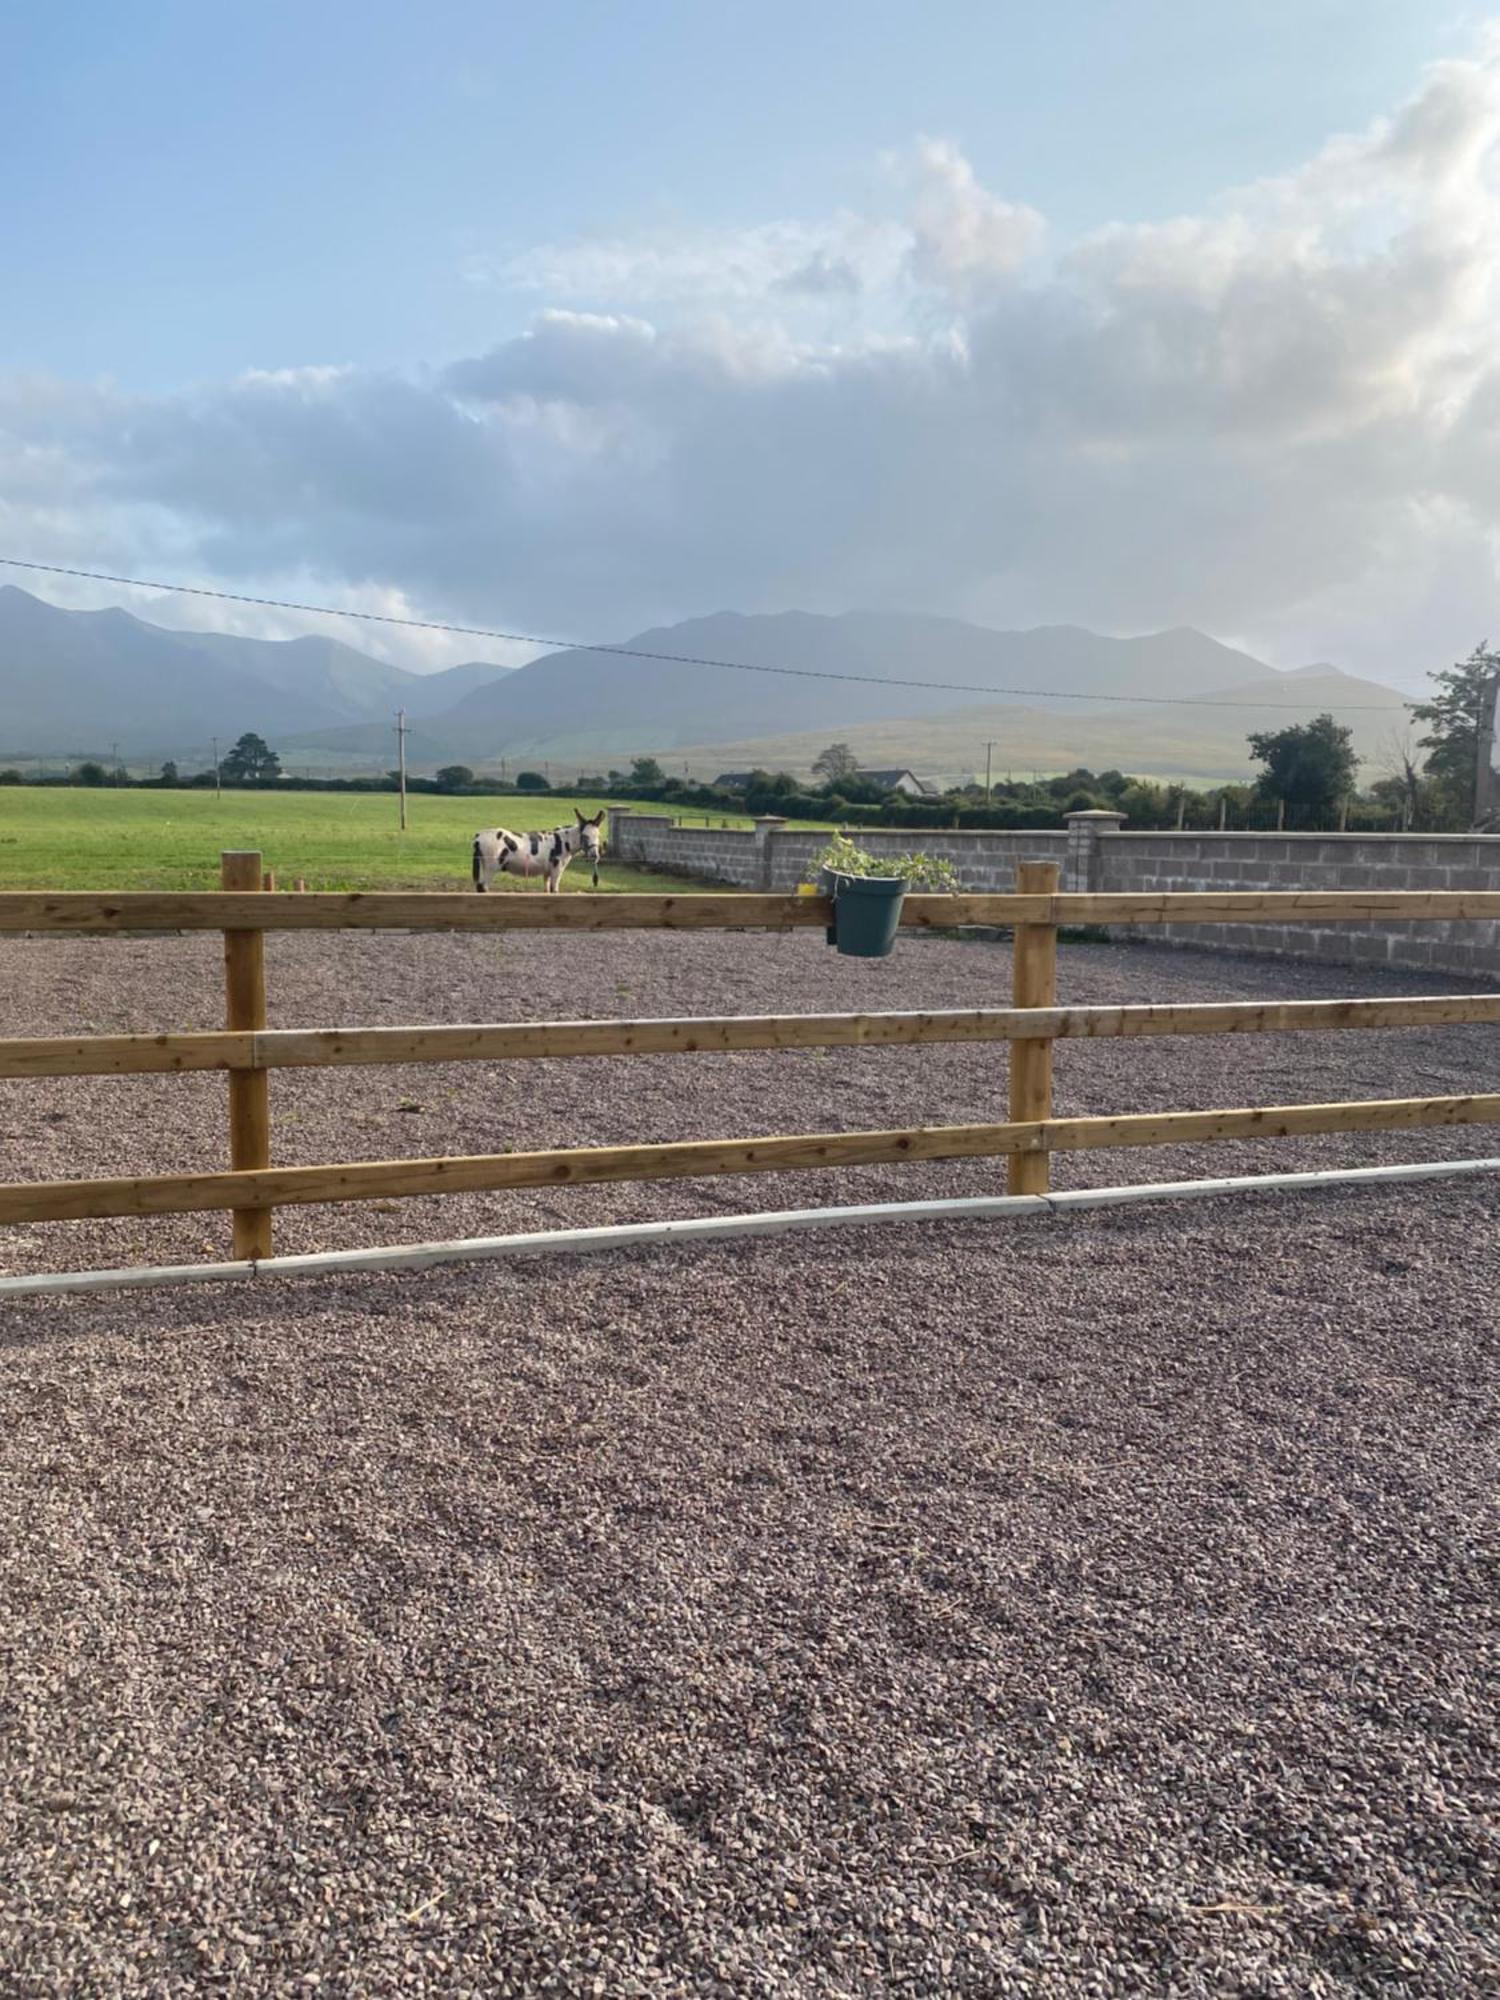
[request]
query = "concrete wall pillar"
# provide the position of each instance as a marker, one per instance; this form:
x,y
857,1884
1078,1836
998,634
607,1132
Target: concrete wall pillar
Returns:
x,y
766,827
1083,871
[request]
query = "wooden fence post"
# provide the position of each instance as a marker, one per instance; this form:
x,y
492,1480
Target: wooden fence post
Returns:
x,y
249,1089
1035,985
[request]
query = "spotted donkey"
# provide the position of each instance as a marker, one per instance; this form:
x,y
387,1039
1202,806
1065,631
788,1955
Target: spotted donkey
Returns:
x,y
497,852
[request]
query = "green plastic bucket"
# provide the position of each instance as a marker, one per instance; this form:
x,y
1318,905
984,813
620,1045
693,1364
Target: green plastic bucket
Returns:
x,y
866,914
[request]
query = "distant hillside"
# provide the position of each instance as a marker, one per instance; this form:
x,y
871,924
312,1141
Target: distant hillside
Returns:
x,y
1199,744
77,683
80,682
364,746
431,694
592,705
311,670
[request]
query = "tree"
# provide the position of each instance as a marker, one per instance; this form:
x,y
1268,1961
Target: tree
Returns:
x,y
1310,766
1401,785
1453,719
90,774
11,777
835,764
169,773
251,762
1079,779
453,777
646,774
531,781
768,793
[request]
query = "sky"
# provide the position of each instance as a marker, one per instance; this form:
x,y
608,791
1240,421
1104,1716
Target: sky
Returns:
x,y
579,319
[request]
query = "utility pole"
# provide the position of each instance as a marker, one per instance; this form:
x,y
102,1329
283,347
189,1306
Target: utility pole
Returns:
x,y
218,776
114,752
401,761
1484,754
987,749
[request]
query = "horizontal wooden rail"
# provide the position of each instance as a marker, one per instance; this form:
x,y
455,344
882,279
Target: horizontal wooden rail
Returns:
x,y
337,1048
212,910
1280,906
366,1180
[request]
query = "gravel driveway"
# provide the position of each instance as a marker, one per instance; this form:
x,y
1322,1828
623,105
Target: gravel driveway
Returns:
x,y
1087,1607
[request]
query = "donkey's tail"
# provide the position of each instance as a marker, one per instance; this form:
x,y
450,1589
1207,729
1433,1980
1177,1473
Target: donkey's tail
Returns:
x,y
478,864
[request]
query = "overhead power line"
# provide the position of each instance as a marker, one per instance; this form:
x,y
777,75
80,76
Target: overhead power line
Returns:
x,y
685,659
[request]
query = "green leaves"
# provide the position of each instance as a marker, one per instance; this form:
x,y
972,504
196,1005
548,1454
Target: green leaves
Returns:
x,y
1311,765
922,872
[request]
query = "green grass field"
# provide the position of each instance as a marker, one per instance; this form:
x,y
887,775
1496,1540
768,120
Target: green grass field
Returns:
x,y
77,838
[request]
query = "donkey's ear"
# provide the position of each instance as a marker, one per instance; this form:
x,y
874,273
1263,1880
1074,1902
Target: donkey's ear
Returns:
x,y
579,817
598,819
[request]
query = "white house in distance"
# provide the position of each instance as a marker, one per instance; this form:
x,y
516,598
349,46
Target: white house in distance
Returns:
x,y
898,781
888,781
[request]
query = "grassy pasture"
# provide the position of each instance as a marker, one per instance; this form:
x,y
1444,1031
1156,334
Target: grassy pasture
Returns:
x,y
79,838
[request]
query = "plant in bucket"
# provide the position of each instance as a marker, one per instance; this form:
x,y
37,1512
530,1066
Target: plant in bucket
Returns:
x,y
868,891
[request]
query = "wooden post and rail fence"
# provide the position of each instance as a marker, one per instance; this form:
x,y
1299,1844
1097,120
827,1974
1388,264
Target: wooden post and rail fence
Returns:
x,y
247,907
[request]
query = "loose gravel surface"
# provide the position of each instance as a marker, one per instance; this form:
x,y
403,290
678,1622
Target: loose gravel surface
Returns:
x,y
1087,1607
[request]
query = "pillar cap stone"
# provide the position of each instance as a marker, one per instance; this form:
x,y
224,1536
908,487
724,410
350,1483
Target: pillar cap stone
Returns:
x,y
1096,816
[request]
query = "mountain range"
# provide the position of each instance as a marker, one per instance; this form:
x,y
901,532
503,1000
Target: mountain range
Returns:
x,y
1194,743
77,683
743,690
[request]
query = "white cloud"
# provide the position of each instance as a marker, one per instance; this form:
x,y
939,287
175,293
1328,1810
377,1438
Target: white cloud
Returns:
x,y
690,267
963,237
950,234
1279,418
823,275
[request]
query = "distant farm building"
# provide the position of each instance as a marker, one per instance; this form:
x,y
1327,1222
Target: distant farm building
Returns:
x,y
885,781
898,781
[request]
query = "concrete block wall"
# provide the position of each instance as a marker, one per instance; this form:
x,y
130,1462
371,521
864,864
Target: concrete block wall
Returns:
x,y
776,858
1127,863
1096,853
984,861
708,853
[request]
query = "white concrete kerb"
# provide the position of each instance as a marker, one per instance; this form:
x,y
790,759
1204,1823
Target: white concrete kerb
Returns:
x,y
699,1229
